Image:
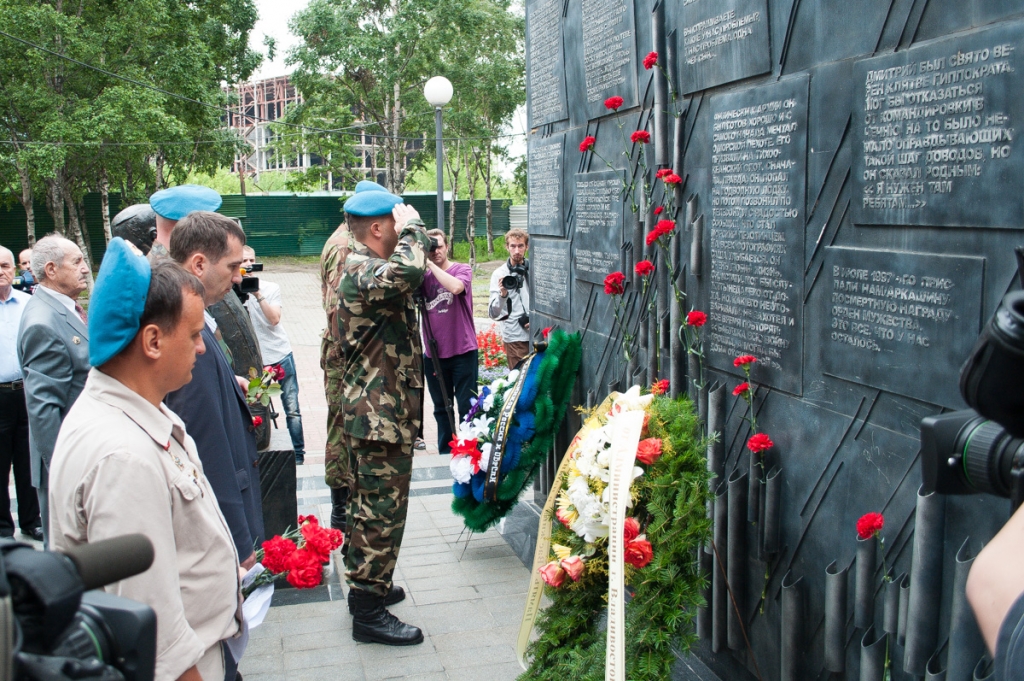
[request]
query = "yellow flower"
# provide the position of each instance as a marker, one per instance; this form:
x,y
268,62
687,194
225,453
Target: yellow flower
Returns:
x,y
562,552
567,512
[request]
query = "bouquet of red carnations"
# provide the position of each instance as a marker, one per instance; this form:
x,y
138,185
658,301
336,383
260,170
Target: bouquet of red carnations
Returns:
x,y
298,555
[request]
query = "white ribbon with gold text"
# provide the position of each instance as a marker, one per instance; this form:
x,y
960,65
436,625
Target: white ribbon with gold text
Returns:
x,y
628,426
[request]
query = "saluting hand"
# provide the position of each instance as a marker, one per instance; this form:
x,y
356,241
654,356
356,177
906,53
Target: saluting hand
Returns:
x,y
402,214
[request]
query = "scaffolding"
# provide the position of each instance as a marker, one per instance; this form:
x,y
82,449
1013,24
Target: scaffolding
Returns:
x,y
261,102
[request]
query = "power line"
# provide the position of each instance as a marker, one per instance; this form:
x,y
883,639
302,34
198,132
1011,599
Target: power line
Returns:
x,y
230,112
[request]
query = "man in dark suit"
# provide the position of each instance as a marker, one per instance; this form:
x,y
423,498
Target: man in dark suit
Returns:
x,y
53,348
213,405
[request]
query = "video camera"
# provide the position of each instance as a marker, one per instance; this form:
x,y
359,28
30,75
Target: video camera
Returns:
x,y
981,450
53,627
23,283
516,276
249,284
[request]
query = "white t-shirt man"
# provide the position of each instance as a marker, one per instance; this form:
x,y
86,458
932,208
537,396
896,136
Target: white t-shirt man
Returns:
x,y
274,344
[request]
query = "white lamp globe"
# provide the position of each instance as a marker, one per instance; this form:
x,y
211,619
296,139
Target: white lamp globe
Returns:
x,y
438,91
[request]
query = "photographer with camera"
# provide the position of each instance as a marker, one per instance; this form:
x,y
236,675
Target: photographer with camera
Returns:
x,y
510,297
123,462
981,450
448,303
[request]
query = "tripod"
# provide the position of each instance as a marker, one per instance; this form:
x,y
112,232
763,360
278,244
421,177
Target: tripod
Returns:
x,y
421,303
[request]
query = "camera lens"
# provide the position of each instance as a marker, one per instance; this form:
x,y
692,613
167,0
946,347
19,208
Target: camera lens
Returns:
x,y
987,456
86,638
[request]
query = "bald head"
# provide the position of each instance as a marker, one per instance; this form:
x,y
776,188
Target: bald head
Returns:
x,y
25,260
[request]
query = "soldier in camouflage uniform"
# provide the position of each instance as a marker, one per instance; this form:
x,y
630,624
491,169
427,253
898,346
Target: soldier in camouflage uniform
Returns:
x,y
337,473
382,391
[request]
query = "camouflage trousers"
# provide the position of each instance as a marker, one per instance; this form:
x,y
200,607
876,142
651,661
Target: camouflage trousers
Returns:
x,y
377,507
337,473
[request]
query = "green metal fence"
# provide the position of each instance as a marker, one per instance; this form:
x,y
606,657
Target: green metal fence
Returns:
x,y
274,225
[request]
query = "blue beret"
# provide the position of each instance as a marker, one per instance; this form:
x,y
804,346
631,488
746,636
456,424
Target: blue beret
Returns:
x,y
371,200
369,186
117,301
177,202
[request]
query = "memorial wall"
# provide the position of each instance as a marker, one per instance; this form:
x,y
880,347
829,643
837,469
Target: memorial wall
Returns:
x,y
849,201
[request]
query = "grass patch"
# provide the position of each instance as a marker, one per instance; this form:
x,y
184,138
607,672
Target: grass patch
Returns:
x,y
460,251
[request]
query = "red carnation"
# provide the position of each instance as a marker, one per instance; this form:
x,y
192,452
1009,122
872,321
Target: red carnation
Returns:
x,y
308,519
639,553
614,103
662,228
742,390
651,60
276,554
545,331
869,525
305,570
641,136
630,530
659,387
658,210
673,179
664,172
614,284
759,443
744,361
648,451
318,542
644,268
696,318
588,143
257,421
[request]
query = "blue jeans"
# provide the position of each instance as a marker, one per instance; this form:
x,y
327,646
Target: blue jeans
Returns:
x,y
290,403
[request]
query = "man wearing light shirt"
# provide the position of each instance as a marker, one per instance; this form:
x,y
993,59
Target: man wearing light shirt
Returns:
x,y
14,450
53,348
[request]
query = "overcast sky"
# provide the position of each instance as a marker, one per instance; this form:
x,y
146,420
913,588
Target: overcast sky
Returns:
x,y
273,21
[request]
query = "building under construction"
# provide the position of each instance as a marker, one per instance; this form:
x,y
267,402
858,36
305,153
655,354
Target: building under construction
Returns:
x,y
260,103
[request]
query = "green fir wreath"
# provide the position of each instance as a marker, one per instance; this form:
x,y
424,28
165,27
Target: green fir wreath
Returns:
x,y
671,499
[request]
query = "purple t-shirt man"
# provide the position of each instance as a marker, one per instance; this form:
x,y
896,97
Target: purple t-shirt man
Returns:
x,y
450,316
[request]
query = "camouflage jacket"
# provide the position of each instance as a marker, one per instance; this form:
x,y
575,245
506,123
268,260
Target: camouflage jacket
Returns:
x,y
331,262
379,339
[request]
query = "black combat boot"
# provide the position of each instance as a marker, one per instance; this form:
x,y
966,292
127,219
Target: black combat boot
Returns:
x,y
339,506
372,623
395,595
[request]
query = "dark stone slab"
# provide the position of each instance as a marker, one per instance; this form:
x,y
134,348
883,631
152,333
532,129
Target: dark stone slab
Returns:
x,y
277,487
758,172
934,133
551,274
607,47
544,176
890,314
722,41
519,530
545,62
597,249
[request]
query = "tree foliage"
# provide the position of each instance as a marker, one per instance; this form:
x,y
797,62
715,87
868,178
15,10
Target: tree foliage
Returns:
x,y
68,128
375,55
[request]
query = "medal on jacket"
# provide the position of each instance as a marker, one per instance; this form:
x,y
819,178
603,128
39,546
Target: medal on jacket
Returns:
x,y
181,467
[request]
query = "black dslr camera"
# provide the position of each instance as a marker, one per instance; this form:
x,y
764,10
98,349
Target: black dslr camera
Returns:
x,y
249,284
516,276
982,449
52,627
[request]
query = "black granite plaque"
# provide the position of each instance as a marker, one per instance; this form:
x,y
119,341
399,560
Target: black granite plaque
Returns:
x,y
597,248
900,321
934,133
545,63
544,176
609,54
723,41
758,171
550,274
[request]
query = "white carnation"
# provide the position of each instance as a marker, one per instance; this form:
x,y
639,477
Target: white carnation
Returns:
x,y
462,468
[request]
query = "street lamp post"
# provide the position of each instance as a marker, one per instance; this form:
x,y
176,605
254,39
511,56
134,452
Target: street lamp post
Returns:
x,y
438,92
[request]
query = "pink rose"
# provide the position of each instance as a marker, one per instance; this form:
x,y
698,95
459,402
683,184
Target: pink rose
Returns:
x,y
630,530
553,574
573,566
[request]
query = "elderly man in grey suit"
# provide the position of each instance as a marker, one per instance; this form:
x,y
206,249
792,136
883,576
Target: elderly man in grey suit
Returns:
x,y
53,349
